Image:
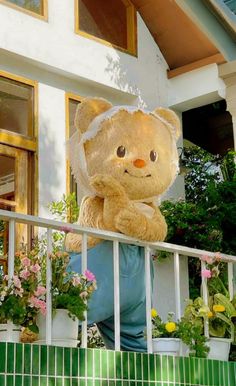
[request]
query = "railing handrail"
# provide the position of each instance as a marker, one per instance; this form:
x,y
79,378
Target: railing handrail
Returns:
x,y
108,235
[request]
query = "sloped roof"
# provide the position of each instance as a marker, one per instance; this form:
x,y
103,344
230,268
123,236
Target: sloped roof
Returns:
x,y
183,44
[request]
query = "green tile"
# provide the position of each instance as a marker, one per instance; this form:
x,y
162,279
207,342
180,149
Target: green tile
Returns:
x,y
97,363
187,370
111,364
125,383
67,381
221,373
2,379
90,382
118,383
35,381
75,382
89,363
171,369
181,370
145,367
151,366
97,382
176,369
35,359
82,362
43,360
67,361
203,371
51,360
59,382
192,370
59,360
209,365
131,365
139,362
125,370
27,358
2,357
164,368
19,359
158,367
18,380
104,363
82,382
105,382
10,380
118,365
43,381
232,374
10,357
75,363
216,373
226,370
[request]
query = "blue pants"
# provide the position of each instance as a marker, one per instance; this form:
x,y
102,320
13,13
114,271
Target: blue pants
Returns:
x,y
132,293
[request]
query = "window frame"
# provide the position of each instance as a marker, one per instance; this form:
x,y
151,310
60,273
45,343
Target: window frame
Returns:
x,y
43,17
77,98
131,29
22,142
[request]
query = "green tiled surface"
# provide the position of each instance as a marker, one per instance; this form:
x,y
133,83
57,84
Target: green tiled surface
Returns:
x,y
31,365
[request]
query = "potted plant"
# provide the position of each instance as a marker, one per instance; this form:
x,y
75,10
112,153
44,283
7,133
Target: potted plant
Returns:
x,y
165,335
20,297
70,293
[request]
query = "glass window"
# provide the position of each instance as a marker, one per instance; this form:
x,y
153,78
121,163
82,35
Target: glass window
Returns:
x,y
109,21
36,6
16,107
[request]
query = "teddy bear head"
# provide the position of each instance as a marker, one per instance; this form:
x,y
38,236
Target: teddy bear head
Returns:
x,y
136,147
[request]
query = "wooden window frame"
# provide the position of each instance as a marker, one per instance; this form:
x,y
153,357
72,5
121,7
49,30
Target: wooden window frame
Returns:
x,y
23,142
43,17
131,29
68,97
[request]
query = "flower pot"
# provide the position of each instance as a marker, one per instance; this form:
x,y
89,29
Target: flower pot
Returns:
x,y
64,329
166,346
219,348
10,332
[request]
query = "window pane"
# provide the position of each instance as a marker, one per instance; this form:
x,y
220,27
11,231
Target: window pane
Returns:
x,y
7,180
31,5
16,107
104,20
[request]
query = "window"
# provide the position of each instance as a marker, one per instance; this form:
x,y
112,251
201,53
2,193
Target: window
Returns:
x,y
111,22
33,7
72,102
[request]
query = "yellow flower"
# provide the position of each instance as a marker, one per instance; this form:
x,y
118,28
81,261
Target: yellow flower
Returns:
x,y
218,308
154,312
170,326
210,314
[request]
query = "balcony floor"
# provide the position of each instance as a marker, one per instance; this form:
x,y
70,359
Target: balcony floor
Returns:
x,y
32,365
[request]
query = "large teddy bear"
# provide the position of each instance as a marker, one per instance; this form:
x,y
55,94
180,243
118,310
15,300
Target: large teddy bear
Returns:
x,y
123,158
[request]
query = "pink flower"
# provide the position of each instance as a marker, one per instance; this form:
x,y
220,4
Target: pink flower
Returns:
x,y
206,273
35,268
66,229
37,303
40,291
19,292
207,259
75,281
25,262
25,274
89,276
16,281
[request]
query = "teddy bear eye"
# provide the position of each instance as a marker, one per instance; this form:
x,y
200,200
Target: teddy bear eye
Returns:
x,y
121,151
153,156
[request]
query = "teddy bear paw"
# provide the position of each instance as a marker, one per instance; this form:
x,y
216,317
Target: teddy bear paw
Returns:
x,y
106,185
126,220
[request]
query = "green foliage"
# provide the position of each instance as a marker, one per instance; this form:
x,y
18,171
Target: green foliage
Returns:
x,y
166,329
66,209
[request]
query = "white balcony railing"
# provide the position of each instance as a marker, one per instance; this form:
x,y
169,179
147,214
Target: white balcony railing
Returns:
x,y
117,238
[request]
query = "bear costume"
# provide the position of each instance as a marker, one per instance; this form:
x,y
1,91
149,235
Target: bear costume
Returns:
x,y
123,158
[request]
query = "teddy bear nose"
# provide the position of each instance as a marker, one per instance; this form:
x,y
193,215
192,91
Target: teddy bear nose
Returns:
x,y
139,163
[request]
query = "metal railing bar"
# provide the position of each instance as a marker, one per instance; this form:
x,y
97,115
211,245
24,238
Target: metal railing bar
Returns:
x,y
148,298
84,337
205,298
230,280
48,287
116,269
177,286
107,235
11,251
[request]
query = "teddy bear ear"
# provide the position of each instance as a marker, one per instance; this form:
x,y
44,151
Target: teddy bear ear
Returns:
x,y
87,110
170,117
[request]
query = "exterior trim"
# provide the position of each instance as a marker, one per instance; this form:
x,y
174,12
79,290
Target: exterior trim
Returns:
x,y
78,98
131,29
43,17
26,143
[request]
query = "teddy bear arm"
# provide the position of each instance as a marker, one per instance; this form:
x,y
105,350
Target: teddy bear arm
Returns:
x,y
133,223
